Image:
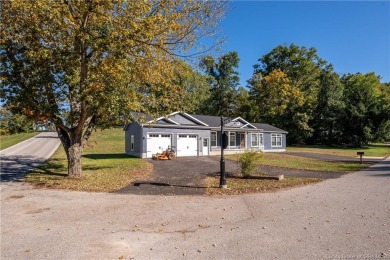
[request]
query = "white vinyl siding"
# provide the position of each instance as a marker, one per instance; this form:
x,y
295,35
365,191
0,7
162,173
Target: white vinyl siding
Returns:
x,y
276,140
213,139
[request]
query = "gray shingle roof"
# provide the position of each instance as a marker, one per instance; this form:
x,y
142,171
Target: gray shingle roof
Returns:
x,y
268,128
212,121
215,121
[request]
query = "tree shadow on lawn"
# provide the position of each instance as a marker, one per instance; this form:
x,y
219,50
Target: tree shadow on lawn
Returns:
x,y
100,156
56,168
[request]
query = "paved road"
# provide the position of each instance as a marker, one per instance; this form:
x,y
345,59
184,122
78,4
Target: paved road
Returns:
x,y
21,158
343,218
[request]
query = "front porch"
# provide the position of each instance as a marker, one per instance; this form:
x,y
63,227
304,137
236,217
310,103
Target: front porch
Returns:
x,y
238,141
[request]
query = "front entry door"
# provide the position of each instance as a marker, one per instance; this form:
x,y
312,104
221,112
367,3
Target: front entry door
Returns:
x,y
205,149
242,140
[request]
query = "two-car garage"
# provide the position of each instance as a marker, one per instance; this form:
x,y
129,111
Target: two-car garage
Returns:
x,y
186,144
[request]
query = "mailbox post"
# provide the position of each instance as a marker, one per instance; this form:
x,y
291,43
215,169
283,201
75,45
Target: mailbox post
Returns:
x,y
361,156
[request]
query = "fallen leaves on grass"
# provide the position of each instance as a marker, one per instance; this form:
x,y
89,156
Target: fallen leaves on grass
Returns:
x,y
93,180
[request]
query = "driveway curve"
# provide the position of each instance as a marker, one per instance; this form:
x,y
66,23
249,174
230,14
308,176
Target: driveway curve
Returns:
x,y
343,218
21,158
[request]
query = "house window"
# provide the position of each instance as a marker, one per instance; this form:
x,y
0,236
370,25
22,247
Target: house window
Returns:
x,y
276,140
132,142
214,139
261,139
255,140
232,139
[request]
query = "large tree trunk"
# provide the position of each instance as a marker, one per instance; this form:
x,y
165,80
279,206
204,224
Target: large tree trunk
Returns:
x,y
73,146
74,153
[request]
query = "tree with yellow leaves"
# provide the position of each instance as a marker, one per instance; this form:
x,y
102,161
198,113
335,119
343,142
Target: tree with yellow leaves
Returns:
x,y
278,102
83,63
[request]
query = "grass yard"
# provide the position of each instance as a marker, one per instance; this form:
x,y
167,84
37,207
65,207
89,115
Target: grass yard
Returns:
x,y
243,185
105,166
10,140
376,150
302,163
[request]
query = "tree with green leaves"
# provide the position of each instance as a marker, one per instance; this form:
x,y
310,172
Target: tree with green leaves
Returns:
x,y
13,123
303,69
85,63
366,115
330,105
197,89
224,81
246,107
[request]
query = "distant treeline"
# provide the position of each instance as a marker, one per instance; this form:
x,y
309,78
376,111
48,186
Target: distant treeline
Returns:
x,y
293,89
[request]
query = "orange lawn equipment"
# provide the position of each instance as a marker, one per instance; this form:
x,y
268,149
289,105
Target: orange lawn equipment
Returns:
x,y
168,154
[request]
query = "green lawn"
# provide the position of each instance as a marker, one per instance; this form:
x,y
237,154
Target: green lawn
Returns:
x,y
105,166
10,140
381,150
301,163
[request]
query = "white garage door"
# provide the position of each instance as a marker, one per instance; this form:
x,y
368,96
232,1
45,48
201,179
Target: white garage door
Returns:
x,y
187,145
157,143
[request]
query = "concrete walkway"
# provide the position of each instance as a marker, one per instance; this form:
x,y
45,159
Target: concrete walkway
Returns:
x,y
344,218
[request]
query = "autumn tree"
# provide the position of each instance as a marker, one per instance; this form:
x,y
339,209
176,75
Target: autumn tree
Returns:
x,y
304,69
87,63
224,81
279,103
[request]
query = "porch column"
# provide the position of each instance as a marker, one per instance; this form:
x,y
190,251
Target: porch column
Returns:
x,y
246,140
229,140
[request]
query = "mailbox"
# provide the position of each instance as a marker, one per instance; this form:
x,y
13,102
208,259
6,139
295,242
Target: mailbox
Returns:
x,y
225,140
361,156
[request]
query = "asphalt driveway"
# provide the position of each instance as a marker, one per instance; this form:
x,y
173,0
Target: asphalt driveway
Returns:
x,y
185,175
180,176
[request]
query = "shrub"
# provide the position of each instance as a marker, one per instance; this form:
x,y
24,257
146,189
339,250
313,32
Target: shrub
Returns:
x,y
247,162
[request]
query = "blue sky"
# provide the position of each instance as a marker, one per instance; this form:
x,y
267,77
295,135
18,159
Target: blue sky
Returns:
x,y
353,36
